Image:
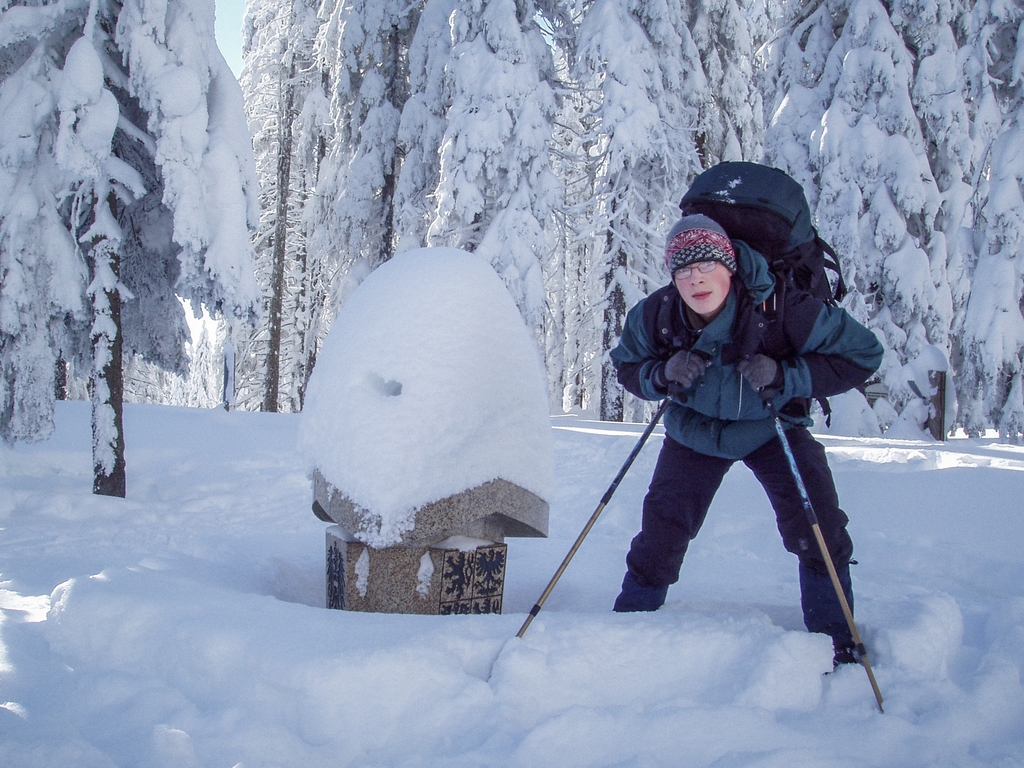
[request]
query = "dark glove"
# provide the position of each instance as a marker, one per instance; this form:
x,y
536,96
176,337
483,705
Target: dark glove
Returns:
x,y
685,367
761,371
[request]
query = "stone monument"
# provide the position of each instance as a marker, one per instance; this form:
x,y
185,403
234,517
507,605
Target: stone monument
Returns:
x,y
427,435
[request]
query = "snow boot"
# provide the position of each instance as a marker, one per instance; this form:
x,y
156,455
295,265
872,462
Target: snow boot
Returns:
x,y
638,595
844,652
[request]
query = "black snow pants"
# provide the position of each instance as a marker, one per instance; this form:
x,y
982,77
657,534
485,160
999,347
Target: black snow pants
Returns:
x,y
685,482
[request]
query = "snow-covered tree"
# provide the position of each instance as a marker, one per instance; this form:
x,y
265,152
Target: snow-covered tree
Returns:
x,y
126,144
569,321
845,126
364,46
991,279
422,125
41,275
644,85
199,384
932,30
730,122
791,68
288,117
496,192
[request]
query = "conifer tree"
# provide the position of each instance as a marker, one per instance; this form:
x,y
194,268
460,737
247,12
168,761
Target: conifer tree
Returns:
x,y
573,313
496,193
288,116
845,125
363,46
730,122
422,125
990,324
42,277
129,162
646,68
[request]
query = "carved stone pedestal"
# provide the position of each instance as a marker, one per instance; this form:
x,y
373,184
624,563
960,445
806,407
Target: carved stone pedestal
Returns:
x,y
413,579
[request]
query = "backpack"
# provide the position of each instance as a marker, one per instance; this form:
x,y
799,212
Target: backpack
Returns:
x,y
767,209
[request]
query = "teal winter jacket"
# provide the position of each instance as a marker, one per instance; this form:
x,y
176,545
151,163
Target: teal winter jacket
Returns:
x,y
821,349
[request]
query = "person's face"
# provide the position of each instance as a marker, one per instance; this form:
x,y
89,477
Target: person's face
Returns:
x,y
704,292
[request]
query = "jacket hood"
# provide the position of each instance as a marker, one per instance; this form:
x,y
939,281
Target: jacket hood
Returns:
x,y
753,271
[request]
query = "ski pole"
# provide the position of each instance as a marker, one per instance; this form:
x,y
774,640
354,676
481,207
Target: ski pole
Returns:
x,y
812,518
593,518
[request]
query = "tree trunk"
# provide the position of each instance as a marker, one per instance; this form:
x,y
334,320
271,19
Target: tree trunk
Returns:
x,y
60,379
614,313
397,98
272,381
228,395
109,470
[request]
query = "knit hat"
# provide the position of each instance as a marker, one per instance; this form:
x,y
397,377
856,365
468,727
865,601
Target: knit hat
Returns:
x,y
698,238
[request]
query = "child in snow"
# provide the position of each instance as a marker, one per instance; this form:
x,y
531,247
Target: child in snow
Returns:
x,y
705,342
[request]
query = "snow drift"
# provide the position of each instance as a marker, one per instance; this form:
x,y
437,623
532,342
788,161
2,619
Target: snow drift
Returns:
x,y
184,625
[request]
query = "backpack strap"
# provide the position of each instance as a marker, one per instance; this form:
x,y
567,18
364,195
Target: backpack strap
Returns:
x,y
825,409
772,310
663,322
832,262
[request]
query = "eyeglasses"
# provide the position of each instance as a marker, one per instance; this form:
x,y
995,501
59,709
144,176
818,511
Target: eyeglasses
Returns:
x,y
704,267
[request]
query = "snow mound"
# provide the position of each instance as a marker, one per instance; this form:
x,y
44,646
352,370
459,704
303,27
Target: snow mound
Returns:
x,y
851,416
428,384
929,636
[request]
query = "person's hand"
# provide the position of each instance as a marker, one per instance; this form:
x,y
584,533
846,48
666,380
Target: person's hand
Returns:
x,y
685,367
759,370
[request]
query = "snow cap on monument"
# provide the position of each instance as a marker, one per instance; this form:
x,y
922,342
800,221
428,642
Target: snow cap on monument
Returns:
x,y
428,384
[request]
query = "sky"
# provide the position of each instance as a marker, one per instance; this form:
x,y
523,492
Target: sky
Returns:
x,y
229,32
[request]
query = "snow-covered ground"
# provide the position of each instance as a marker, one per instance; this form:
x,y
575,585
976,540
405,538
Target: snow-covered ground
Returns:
x,y
184,626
